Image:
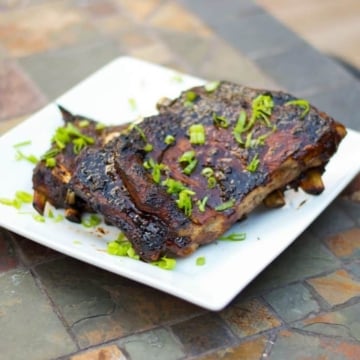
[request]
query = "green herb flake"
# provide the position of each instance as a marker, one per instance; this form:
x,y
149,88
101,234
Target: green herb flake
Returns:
x,y
24,197
84,123
39,218
226,205
91,221
165,263
207,172
50,162
202,203
233,237
23,143
30,158
262,107
211,181
211,86
304,104
173,186
132,104
197,134
7,202
254,163
178,78
191,96
200,261
188,161
184,201
169,140
100,126
148,147
220,121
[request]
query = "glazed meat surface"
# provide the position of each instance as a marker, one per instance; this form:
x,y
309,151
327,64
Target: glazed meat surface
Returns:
x,y
180,179
50,180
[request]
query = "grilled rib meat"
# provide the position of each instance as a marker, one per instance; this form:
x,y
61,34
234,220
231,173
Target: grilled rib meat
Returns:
x,y
50,183
170,192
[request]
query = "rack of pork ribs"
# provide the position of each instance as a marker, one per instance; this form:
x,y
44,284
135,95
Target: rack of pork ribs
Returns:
x,y
181,178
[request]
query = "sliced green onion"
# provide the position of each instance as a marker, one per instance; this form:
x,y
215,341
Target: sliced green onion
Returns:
x,y
132,103
220,121
30,158
91,221
39,218
156,169
84,123
254,163
211,86
148,147
301,103
197,134
23,143
173,186
240,127
24,196
165,263
184,202
207,172
226,205
100,126
234,237
50,162
169,139
211,182
202,203
200,261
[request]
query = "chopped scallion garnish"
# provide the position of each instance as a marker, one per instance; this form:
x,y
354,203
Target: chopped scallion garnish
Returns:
x,y
91,221
226,205
202,203
23,143
304,104
184,202
169,139
234,237
200,261
220,121
197,134
132,103
30,158
165,263
254,163
212,86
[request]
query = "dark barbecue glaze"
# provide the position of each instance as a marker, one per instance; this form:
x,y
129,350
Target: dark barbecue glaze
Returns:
x,y
51,184
116,181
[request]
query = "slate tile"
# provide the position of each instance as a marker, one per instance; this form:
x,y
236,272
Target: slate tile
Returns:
x,y
259,35
306,257
292,302
100,306
173,16
34,29
346,244
156,52
68,66
337,287
203,333
249,317
157,344
341,102
249,350
99,8
295,346
351,207
352,191
301,69
332,220
29,329
32,253
219,13
8,258
107,352
342,323
19,95
139,10
8,124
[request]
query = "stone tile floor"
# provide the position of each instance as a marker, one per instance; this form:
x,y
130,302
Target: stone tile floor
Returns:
x,y
305,305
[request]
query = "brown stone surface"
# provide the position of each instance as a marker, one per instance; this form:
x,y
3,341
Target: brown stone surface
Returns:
x,y
8,258
139,10
345,244
173,16
250,317
352,191
249,350
33,29
19,95
337,287
110,352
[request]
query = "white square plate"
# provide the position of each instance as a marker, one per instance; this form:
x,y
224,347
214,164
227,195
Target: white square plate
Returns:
x,y
121,91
